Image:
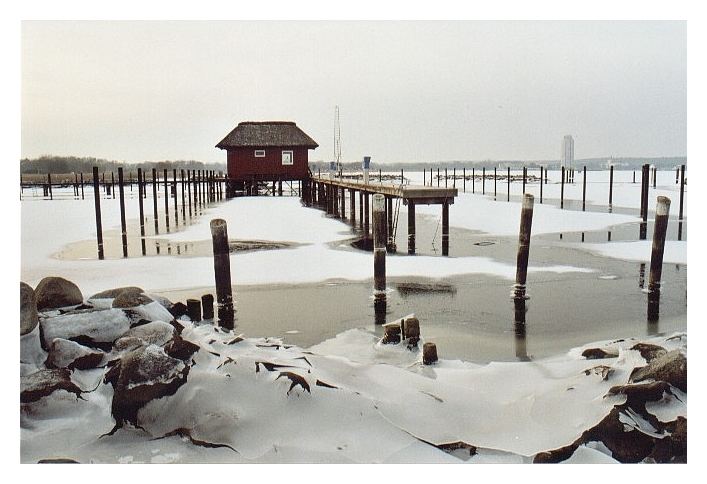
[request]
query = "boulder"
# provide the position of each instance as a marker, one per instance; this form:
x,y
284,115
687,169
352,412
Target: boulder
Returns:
x,y
45,382
600,354
97,329
131,298
28,309
178,309
113,293
157,332
142,375
648,351
71,355
671,368
57,292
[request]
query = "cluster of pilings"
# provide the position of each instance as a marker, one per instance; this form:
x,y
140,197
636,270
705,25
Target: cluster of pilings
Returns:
x,y
197,190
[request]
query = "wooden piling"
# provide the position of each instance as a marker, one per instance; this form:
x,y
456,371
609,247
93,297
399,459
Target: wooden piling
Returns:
x,y
360,209
508,180
207,306
445,228
562,189
464,174
645,179
123,228
483,180
222,273
411,226
154,200
525,173
184,209
76,185
82,186
189,199
140,188
166,201
49,184
634,176
541,184
526,222
379,242
445,178
429,353
437,176
366,213
682,190
473,180
352,195
662,212
611,185
97,204
194,310
112,185
584,188
495,192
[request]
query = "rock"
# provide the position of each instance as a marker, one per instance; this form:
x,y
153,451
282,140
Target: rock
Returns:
x,y
68,354
97,329
671,368
58,460
140,376
166,303
57,292
181,349
600,354
45,382
28,309
638,394
113,293
32,356
178,309
649,352
625,445
157,332
131,298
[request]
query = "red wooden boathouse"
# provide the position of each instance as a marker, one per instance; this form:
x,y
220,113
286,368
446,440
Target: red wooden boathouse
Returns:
x,y
264,152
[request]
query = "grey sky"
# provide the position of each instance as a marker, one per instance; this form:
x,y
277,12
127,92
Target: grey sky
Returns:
x,y
407,91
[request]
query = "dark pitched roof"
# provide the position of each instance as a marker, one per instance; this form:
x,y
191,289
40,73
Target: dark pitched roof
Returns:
x,y
266,133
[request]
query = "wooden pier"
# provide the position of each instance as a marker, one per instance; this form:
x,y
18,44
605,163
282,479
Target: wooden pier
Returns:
x,y
331,193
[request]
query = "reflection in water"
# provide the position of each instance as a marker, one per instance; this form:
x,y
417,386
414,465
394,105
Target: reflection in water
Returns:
x,y
653,314
643,229
582,236
521,345
608,237
642,275
680,230
380,306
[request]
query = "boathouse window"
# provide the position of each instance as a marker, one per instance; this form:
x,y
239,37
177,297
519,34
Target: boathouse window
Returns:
x,y
260,153
287,157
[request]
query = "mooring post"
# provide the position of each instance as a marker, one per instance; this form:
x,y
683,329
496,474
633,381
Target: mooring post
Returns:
x,y
473,180
140,188
445,177
682,189
541,184
495,191
166,200
82,186
123,229
464,174
525,173
49,184
207,305
526,222
611,185
508,179
411,226
352,195
97,204
112,185
174,192
445,228
379,242
194,309
366,213
76,184
655,176
189,191
154,200
184,209
360,209
562,189
454,177
437,176
222,273
662,212
483,180
646,178
584,188
429,353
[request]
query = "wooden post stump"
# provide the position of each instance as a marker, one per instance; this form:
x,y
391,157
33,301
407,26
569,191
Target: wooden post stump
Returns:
x,y
222,273
429,353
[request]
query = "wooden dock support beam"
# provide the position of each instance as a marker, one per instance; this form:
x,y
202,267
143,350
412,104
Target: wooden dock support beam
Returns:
x,y
379,242
611,185
562,189
411,226
526,222
140,188
222,273
123,229
97,204
445,228
584,188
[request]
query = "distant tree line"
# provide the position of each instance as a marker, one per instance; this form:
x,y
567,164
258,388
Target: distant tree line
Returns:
x,y
73,164
633,163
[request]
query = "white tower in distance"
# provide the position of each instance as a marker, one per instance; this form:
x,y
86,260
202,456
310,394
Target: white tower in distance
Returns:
x,y
567,152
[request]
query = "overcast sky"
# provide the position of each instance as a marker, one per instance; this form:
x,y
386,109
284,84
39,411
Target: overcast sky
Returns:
x,y
407,91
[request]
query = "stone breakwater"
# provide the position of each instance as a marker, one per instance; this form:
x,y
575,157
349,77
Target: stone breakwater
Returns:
x,y
160,371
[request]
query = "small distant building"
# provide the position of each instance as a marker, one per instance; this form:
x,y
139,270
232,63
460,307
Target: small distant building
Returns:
x,y
261,152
